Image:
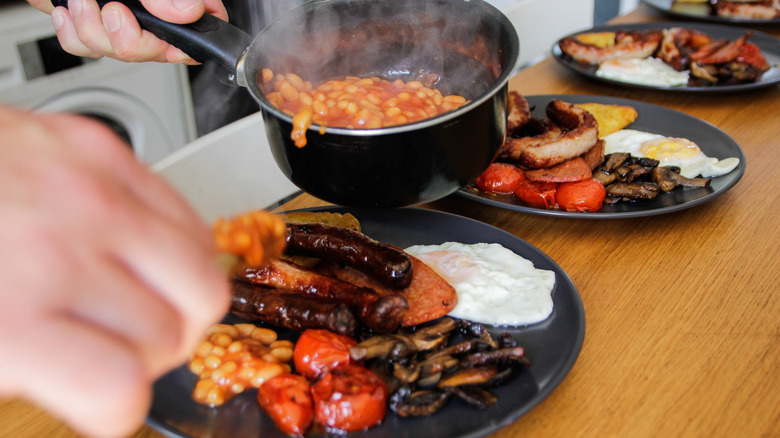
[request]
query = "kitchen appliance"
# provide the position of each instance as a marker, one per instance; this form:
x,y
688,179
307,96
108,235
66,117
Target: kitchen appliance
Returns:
x,y
147,104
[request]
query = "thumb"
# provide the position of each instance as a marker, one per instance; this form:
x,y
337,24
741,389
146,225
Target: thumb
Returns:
x,y
176,11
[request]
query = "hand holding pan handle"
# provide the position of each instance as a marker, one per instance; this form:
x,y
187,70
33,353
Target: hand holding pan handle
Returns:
x,y
207,38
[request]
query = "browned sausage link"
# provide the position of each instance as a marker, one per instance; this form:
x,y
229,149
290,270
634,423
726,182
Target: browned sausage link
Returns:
x,y
387,264
291,310
382,314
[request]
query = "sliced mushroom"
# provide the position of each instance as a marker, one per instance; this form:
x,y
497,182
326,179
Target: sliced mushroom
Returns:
x,y
613,161
391,347
429,381
437,364
667,179
432,337
640,190
469,376
503,355
459,348
406,374
475,396
702,72
605,178
635,171
422,403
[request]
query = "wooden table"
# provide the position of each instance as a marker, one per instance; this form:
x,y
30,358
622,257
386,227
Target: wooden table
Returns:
x,y
683,322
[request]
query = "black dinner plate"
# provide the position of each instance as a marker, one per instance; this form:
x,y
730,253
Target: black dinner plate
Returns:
x,y
665,6
769,45
552,347
652,118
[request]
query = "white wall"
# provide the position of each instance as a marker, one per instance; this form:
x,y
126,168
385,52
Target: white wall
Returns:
x,y
627,6
540,23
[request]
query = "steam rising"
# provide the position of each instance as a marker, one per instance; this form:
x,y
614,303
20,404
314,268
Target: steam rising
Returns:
x,y
458,46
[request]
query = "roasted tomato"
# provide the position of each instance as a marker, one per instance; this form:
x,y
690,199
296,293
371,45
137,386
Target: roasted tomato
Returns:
x,y
500,178
749,53
318,350
537,193
349,398
287,399
586,195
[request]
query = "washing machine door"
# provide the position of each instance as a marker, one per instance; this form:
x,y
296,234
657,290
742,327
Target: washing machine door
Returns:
x,y
129,117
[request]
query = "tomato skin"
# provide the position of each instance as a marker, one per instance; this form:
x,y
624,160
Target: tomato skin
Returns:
x,y
537,193
350,398
287,399
499,178
586,195
318,350
749,53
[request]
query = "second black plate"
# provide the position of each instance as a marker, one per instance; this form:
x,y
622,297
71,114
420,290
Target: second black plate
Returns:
x,y
769,45
652,118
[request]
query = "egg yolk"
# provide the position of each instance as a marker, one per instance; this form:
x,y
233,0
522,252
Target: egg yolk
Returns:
x,y
667,149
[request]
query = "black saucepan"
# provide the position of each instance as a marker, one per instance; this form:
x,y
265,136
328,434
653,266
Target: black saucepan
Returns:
x,y
468,44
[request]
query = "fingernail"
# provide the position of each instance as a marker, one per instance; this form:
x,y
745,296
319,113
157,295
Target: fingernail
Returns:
x,y
75,7
112,20
186,5
57,19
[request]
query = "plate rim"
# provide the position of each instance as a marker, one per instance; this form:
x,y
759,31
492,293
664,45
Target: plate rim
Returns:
x,y
567,288
468,192
764,38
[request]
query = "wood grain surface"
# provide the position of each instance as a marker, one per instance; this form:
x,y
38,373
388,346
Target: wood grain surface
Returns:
x,y
683,318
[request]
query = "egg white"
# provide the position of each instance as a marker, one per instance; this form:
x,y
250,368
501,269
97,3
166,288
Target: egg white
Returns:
x,y
644,71
495,286
679,152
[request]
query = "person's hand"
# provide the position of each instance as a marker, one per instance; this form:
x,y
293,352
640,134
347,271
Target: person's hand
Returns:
x,y
109,279
83,29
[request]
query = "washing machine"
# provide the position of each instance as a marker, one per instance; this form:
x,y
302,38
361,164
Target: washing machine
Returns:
x,y
148,104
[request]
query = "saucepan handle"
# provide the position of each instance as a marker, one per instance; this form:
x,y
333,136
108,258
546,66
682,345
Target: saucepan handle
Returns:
x,y
207,38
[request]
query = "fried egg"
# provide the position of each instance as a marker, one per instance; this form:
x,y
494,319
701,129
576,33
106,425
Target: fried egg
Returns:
x,y
669,151
644,71
495,286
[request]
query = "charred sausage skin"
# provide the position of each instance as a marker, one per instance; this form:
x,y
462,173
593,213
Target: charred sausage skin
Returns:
x,y
387,264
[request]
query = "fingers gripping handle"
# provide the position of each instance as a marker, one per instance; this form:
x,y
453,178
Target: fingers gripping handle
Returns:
x,y
207,38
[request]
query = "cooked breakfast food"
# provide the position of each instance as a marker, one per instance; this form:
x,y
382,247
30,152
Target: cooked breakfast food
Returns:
x,y
378,285
371,339
255,237
382,313
355,102
570,132
233,358
738,9
602,46
677,152
385,263
668,57
495,286
620,164
294,311
610,118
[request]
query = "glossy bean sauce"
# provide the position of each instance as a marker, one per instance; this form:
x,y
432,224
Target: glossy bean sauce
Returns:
x,y
355,103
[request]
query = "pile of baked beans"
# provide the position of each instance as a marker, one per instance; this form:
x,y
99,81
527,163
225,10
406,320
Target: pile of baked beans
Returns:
x,y
354,102
233,358
255,236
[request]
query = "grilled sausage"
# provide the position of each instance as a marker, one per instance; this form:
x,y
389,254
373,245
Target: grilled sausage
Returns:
x,y
383,314
291,310
387,264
